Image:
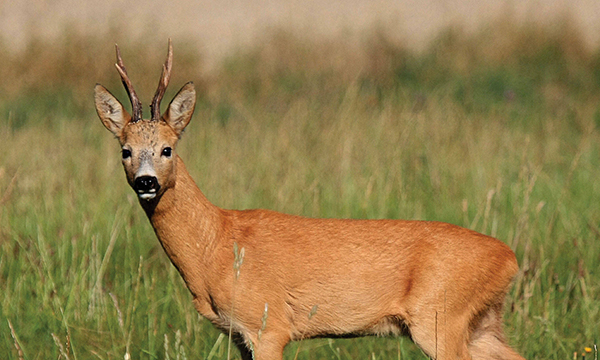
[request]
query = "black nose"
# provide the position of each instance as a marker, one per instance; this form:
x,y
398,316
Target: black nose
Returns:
x,y
146,184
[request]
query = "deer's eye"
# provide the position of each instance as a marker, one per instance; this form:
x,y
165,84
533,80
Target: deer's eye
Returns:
x,y
167,151
126,153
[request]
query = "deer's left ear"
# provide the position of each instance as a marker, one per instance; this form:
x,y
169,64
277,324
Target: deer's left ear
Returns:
x,y
110,111
181,108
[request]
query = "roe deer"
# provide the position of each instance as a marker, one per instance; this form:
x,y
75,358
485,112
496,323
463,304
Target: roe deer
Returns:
x,y
271,278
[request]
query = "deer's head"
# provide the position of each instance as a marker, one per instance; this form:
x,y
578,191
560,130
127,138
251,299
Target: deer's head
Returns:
x,y
148,146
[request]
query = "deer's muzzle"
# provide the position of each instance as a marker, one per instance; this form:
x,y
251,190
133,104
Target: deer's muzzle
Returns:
x,y
146,187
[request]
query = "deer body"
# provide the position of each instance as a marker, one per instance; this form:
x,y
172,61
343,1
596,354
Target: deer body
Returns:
x,y
274,278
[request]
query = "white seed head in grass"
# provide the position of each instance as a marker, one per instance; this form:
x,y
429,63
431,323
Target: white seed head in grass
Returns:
x,y
238,259
166,344
312,311
263,321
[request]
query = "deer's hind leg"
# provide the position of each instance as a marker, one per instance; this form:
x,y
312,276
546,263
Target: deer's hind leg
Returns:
x,y
487,341
442,336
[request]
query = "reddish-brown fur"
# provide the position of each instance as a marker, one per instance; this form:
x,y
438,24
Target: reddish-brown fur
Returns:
x,y
441,284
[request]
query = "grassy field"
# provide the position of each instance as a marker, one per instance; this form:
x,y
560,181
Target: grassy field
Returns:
x,y
496,131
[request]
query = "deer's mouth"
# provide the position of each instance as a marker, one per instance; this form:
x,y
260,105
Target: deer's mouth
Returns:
x,y
151,194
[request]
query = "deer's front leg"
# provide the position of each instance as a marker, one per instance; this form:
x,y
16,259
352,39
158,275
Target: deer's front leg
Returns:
x,y
269,347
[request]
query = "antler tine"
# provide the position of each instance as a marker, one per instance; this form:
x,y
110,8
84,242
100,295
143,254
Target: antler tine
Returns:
x,y
162,84
136,105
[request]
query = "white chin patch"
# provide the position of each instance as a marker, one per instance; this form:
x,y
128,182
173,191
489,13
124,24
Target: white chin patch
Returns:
x,y
147,196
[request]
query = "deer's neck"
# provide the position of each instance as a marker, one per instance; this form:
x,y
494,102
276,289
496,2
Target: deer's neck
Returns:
x,y
187,226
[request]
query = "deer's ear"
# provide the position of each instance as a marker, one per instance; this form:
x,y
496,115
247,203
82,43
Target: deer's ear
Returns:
x,y
181,108
110,110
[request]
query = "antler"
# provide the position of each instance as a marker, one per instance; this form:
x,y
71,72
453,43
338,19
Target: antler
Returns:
x,y
162,84
136,105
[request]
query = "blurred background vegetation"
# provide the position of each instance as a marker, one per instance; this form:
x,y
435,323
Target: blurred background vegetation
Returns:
x,y
496,130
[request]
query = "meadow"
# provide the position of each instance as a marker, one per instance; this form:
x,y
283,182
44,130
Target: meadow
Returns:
x,y
497,131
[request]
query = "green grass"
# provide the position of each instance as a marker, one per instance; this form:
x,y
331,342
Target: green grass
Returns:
x,y
495,131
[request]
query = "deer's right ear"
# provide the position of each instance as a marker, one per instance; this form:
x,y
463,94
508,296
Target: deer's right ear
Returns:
x,y
110,110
